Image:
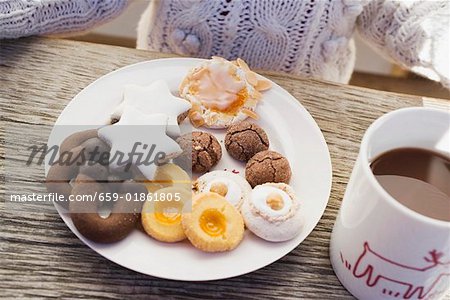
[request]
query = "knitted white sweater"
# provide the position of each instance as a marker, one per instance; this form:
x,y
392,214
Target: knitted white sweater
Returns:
x,y
305,37
29,17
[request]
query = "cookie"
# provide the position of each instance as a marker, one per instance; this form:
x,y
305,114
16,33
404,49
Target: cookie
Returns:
x,y
267,166
118,224
75,152
222,92
142,135
213,225
272,212
155,98
162,219
201,151
172,175
231,186
245,139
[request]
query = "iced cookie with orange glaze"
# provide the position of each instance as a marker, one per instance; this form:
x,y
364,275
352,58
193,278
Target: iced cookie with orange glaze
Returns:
x,y
222,92
213,225
272,212
161,215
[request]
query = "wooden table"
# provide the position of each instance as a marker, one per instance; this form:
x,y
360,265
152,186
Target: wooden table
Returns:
x,y
41,257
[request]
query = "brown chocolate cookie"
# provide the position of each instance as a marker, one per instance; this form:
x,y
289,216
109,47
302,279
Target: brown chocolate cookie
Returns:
x,y
267,166
120,222
80,151
245,139
201,148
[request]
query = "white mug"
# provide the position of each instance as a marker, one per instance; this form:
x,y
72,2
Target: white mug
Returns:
x,y
379,248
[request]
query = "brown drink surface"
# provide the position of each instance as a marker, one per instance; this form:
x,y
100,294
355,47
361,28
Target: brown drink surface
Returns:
x,y
417,178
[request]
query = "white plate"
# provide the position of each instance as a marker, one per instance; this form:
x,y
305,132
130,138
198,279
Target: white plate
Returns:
x,y
292,132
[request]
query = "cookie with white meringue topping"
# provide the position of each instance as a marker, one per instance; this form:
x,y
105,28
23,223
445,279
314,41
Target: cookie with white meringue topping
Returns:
x,y
229,185
272,212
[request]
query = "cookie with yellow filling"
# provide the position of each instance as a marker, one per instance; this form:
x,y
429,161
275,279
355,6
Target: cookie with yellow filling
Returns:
x,y
172,175
161,215
213,225
167,175
222,92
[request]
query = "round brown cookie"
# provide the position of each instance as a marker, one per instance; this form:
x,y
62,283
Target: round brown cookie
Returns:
x,y
120,222
245,139
267,166
201,150
80,151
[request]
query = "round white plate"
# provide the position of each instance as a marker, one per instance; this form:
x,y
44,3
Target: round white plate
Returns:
x,y
291,130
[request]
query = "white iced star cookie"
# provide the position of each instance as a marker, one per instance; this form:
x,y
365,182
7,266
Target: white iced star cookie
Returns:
x,y
154,99
138,138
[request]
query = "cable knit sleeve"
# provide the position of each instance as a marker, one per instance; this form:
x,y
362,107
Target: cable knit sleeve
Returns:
x,y
29,17
413,33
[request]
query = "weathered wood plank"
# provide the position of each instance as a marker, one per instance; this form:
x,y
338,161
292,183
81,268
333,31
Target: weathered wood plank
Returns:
x,y
40,257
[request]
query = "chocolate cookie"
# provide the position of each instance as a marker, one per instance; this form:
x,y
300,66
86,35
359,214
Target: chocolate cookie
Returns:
x,y
120,222
267,166
201,148
76,151
245,139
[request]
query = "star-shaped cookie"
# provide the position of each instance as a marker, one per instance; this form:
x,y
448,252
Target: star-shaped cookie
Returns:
x,y
154,99
139,139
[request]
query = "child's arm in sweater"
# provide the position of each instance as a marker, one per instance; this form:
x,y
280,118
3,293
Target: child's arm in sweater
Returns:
x,y
415,34
30,17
